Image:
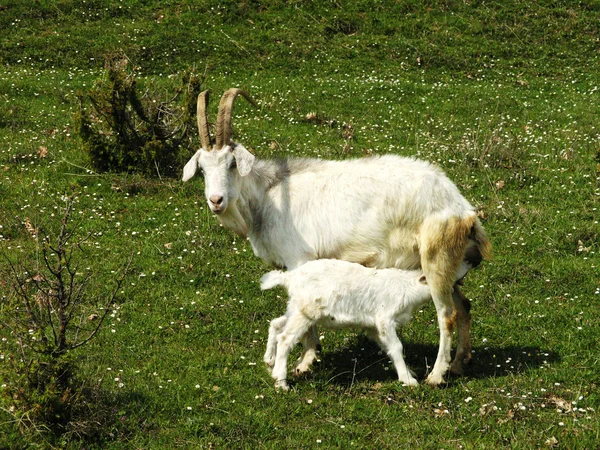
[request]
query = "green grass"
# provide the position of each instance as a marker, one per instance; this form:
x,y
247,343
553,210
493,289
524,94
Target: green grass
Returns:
x,y
503,96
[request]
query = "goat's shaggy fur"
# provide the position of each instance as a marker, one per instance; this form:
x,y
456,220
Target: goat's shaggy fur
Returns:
x,y
339,294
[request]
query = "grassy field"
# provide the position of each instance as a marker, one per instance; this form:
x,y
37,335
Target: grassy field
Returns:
x,y
503,96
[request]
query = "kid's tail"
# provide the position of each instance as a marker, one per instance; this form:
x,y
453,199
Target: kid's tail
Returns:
x,y
272,279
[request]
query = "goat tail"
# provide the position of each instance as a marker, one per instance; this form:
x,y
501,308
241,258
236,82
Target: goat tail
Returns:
x,y
485,246
272,279
482,246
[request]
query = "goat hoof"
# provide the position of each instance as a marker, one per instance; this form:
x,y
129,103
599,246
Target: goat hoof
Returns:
x,y
301,369
282,386
410,383
457,369
458,366
434,380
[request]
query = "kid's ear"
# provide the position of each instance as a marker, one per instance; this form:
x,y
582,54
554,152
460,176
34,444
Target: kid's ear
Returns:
x,y
189,170
422,279
243,159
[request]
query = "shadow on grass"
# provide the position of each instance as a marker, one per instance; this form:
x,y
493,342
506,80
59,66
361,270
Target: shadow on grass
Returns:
x,y
96,417
111,416
363,360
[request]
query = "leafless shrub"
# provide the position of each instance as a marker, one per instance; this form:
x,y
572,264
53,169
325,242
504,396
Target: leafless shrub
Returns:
x,y
47,313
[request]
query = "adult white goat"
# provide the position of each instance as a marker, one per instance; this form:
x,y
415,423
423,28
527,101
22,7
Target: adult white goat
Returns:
x,y
339,294
386,211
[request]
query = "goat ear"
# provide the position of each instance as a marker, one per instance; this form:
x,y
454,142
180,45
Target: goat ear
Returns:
x,y
422,279
189,170
243,159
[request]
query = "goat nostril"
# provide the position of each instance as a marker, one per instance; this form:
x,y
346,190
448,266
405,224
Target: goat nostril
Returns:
x,y
216,199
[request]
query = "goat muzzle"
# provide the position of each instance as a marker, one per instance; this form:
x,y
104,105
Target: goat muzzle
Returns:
x,y
216,203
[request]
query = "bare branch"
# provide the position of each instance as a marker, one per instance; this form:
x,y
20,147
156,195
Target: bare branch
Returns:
x,y
109,302
19,289
77,297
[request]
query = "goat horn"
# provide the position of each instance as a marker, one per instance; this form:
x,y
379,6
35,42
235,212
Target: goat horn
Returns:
x,y
224,130
203,120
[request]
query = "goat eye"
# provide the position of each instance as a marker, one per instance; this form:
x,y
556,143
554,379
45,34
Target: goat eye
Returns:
x,y
233,164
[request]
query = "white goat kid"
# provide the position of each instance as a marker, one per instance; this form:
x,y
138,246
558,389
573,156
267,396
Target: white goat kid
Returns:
x,y
339,294
381,212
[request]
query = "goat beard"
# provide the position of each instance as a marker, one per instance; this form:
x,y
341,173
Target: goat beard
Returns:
x,y
233,220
